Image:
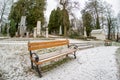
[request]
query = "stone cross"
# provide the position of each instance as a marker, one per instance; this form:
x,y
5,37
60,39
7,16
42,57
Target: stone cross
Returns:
x,y
22,27
38,28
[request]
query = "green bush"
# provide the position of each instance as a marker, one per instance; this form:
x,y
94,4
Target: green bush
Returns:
x,y
4,30
91,37
12,29
83,38
74,35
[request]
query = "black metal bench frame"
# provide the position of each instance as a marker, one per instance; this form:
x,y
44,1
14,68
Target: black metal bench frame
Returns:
x,y
36,58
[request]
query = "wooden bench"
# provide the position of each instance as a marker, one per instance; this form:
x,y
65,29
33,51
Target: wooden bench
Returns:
x,y
37,60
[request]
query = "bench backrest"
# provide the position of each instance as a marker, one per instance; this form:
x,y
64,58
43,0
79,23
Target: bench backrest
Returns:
x,y
42,45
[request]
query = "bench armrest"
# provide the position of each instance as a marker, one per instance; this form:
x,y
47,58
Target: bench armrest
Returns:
x,y
73,46
34,55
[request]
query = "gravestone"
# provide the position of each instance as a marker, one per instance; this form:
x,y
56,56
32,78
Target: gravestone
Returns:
x,y
35,32
46,32
22,26
60,31
38,28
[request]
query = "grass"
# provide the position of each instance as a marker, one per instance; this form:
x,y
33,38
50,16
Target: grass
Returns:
x,y
115,43
55,64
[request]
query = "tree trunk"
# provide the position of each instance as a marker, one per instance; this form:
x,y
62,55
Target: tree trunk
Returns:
x,y
109,28
97,22
65,28
117,37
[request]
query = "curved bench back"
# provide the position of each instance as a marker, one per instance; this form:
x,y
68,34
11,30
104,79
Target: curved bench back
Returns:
x,y
42,45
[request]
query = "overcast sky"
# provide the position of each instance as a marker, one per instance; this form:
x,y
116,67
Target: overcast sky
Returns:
x,y
115,5
52,4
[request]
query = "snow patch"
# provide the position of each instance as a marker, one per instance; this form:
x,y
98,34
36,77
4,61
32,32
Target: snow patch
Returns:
x,y
91,64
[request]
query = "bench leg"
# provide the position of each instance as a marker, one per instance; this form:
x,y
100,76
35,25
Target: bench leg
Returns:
x,y
67,55
75,55
32,67
39,72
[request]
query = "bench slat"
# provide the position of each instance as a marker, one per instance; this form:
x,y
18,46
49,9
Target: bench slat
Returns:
x,y
49,58
40,45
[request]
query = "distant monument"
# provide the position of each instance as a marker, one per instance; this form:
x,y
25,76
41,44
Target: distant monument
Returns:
x,y
38,28
22,26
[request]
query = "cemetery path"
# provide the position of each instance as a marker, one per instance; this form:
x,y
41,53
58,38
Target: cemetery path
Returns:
x,y
97,63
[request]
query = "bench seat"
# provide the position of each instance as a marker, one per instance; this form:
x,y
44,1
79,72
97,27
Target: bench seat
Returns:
x,y
39,59
53,55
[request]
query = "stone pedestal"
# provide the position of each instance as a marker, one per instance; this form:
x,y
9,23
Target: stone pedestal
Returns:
x,y
38,28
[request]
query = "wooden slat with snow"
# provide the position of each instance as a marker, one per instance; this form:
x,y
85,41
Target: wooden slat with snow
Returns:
x,y
48,56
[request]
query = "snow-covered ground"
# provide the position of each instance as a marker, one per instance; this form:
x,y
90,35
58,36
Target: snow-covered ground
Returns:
x,y
97,63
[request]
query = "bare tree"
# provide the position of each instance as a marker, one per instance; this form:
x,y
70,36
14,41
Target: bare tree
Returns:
x,y
118,26
69,6
64,4
4,10
96,8
110,21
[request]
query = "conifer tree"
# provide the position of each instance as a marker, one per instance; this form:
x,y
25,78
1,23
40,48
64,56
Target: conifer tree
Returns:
x,y
32,9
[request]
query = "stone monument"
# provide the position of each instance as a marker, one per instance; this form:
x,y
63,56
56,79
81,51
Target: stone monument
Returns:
x,y
38,28
60,31
22,26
